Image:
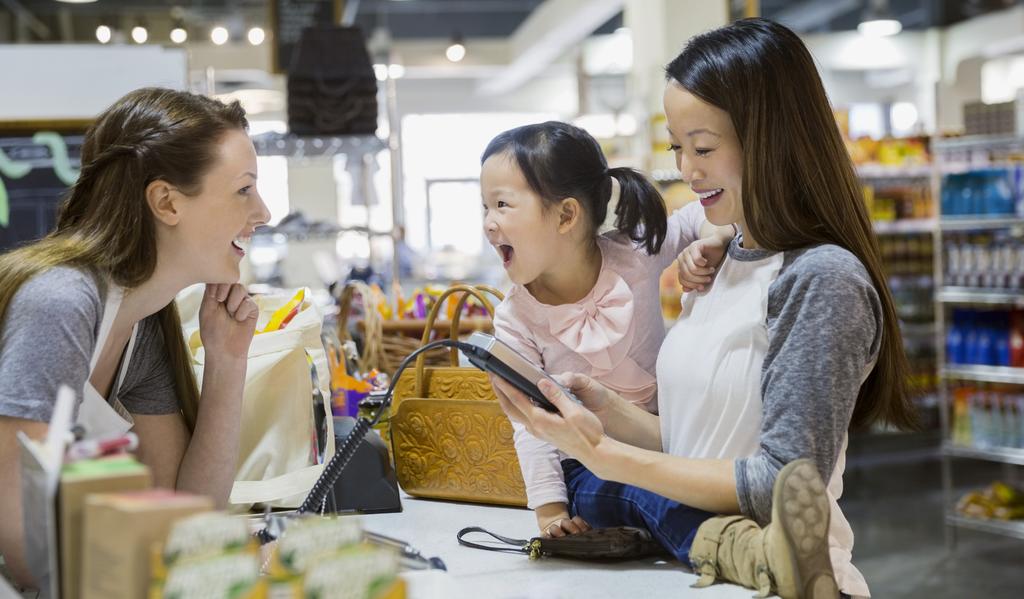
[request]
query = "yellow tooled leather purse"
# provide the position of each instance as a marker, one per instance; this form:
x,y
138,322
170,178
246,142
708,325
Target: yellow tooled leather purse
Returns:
x,y
449,436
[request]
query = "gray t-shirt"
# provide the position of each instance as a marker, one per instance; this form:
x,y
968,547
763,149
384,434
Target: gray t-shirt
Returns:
x,y
47,340
824,333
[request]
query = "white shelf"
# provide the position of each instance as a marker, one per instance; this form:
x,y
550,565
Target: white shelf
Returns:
x,y
971,295
985,374
918,329
967,223
286,144
976,142
1009,528
909,225
666,175
881,171
1005,455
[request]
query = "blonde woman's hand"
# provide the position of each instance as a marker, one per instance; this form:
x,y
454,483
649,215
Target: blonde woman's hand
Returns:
x,y
227,321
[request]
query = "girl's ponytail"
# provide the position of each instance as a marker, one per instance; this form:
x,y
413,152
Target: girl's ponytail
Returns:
x,y
640,211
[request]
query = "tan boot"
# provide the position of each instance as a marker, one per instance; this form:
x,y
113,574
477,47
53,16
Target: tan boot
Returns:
x,y
788,557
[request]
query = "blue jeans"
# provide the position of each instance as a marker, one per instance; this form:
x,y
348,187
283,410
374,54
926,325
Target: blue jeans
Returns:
x,y
604,504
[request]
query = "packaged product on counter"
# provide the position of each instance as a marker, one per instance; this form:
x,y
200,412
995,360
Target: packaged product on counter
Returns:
x,y
209,555
78,480
327,557
120,529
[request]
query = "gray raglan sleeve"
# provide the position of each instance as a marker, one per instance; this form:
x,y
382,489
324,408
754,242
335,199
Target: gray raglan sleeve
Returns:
x,y
824,328
48,335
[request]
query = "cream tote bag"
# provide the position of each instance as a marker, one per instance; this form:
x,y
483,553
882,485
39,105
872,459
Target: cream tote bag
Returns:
x,y
277,454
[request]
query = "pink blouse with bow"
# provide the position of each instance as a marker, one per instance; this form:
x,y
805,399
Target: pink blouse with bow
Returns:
x,y
613,335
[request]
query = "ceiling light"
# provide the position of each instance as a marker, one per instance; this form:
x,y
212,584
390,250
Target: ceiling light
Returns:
x,y
103,34
877,20
219,35
456,51
77,2
396,71
380,71
879,27
139,34
179,35
256,36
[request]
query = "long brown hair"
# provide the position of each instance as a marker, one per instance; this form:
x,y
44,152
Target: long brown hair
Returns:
x,y
105,226
799,186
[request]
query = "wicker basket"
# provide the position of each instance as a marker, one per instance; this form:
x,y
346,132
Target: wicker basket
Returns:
x,y
387,342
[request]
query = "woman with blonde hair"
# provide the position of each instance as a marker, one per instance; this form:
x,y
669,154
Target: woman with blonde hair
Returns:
x,y
166,198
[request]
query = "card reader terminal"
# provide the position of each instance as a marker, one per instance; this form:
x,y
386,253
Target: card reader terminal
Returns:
x,y
493,355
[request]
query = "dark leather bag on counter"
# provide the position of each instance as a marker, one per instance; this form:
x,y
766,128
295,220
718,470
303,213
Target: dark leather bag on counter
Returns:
x,y
615,543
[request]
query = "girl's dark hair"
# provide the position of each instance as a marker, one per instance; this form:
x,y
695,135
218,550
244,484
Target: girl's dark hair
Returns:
x,y
561,161
799,186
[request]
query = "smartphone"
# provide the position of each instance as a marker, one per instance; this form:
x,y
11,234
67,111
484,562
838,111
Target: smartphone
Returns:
x,y
494,355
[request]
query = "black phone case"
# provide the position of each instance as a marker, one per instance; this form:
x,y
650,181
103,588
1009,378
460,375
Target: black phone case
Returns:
x,y
488,363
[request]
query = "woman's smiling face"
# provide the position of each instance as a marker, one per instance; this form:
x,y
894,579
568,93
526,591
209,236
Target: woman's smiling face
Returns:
x,y
708,153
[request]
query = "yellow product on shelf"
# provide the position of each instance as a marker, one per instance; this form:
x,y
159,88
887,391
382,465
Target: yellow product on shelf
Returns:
x,y
999,501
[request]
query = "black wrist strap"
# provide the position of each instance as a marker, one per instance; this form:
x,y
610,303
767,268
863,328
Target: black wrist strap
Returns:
x,y
514,545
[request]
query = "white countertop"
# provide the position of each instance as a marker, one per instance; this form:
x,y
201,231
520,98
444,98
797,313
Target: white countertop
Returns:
x,y
431,526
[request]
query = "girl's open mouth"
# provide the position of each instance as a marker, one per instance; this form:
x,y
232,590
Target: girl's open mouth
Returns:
x,y
506,252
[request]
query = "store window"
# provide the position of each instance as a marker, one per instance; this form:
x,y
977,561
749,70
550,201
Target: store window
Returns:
x,y
441,163
1001,78
272,182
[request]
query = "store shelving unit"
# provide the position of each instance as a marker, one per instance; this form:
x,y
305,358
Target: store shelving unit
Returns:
x,y
1004,455
958,155
960,223
985,374
294,146
906,226
972,296
1008,529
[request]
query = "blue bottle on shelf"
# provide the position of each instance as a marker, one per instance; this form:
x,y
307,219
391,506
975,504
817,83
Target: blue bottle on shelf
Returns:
x,y
955,339
998,195
1001,348
950,193
969,353
983,348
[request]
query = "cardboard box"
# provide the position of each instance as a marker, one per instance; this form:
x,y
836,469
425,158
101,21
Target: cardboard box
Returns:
x,y
77,481
120,530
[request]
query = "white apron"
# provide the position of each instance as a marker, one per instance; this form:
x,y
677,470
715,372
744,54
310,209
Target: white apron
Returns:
x,y
709,396
101,418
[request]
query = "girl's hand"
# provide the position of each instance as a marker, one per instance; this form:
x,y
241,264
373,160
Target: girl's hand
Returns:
x,y
553,521
575,429
227,321
697,263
